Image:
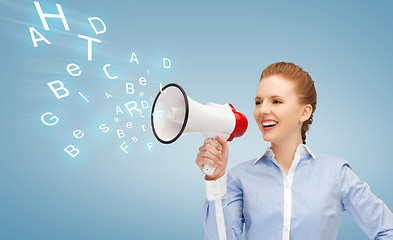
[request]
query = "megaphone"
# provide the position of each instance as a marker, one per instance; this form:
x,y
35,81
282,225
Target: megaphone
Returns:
x,y
174,114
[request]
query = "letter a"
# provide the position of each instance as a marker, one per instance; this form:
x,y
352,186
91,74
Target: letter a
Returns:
x,y
133,58
35,40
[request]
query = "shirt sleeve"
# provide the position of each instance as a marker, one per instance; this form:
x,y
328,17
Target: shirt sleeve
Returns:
x,y
369,212
229,191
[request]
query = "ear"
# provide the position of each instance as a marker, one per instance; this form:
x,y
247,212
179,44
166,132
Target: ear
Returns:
x,y
306,113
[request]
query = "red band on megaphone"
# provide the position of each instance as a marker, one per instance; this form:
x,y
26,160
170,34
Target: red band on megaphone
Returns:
x,y
241,124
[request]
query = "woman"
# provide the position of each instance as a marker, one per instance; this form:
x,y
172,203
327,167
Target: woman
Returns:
x,y
288,193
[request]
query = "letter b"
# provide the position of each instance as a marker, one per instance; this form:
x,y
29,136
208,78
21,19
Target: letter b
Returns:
x,y
56,90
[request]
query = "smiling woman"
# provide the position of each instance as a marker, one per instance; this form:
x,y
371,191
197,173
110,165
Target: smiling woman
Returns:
x,y
289,192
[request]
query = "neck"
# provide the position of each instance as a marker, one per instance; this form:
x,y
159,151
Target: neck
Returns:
x,y
284,151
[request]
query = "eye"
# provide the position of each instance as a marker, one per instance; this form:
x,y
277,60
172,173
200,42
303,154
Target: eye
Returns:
x,y
257,102
276,101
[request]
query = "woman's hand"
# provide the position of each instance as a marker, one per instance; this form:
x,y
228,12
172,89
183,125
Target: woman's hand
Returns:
x,y
215,154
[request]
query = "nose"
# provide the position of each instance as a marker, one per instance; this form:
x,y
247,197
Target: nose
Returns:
x,y
264,108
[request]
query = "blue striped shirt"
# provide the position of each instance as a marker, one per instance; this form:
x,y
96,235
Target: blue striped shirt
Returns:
x,y
306,203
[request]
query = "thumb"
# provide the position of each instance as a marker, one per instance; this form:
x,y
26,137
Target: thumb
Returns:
x,y
224,145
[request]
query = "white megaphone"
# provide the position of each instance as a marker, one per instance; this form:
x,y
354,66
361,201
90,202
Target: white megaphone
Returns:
x,y
174,114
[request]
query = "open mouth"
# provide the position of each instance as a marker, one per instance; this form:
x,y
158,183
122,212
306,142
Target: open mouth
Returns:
x,y
269,125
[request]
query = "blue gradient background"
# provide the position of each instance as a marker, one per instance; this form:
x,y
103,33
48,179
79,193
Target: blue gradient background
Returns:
x,y
218,50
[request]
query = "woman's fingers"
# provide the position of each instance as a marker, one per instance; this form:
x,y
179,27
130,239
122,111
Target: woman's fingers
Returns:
x,y
213,143
211,149
210,156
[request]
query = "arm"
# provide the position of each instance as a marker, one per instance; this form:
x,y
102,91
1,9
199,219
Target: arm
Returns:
x,y
231,197
369,212
224,203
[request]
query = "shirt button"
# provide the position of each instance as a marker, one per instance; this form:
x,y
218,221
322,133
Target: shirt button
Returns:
x,y
287,186
287,205
286,229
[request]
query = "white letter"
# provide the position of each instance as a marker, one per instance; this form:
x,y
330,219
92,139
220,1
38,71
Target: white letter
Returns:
x,y
158,114
118,109
35,40
72,70
161,89
133,58
120,133
150,145
142,81
116,120
78,134
143,127
135,139
89,45
104,128
133,108
147,104
128,87
83,97
164,60
95,29
73,149
43,16
106,72
55,90
108,95
129,125
49,124
124,148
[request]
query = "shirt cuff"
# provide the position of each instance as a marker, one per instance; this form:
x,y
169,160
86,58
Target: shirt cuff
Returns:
x,y
216,189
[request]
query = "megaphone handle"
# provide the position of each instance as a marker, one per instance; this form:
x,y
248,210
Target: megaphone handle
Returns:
x,y
208,169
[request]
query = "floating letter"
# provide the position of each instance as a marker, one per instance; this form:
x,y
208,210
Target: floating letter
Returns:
x,y
118,109
56,119
133,108
89,45
55,90
129,86
124,148
72,67
95,29
70,152
83,97
78,134
143,105
104,128
142,81
106,72
120,133
35,40
166,62
45,15
133,58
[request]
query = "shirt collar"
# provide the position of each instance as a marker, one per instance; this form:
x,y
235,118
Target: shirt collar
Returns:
x,y
302,149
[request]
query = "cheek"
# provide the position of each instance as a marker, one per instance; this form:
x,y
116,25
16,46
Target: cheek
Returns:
x,y
256,114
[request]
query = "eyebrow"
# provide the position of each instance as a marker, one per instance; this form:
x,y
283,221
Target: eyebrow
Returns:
x,y
274,96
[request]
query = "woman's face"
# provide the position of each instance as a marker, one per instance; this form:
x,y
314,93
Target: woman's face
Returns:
x,y
277,111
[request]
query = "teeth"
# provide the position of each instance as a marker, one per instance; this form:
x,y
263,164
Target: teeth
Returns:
x,y
269,123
